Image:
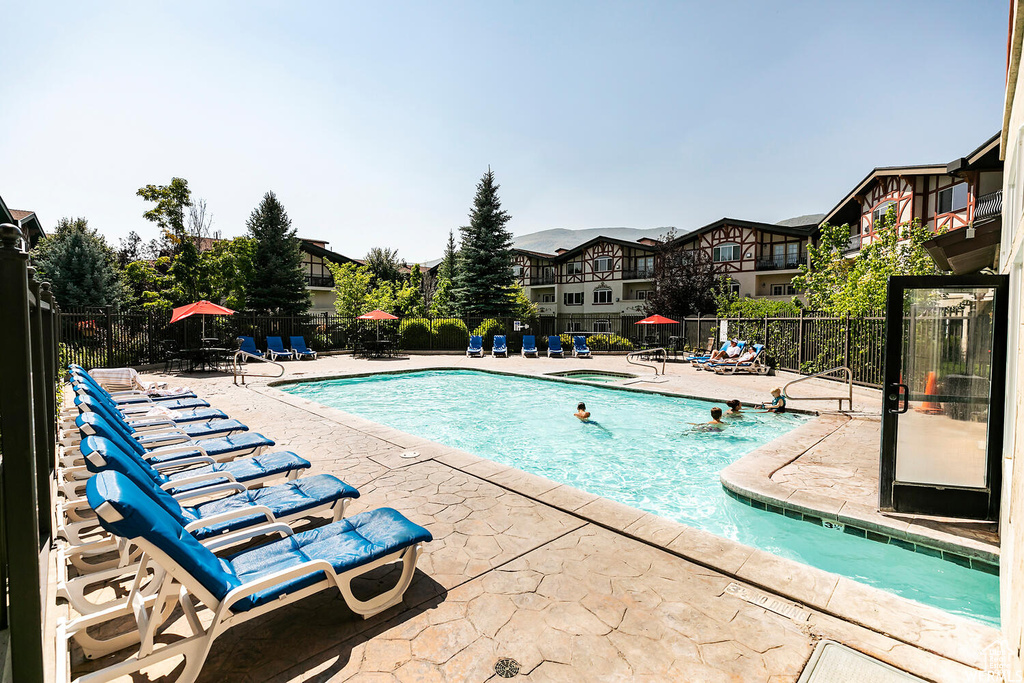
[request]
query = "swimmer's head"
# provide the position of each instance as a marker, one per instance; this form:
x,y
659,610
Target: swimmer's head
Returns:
x,y
716,413
733,404
581,406
776,392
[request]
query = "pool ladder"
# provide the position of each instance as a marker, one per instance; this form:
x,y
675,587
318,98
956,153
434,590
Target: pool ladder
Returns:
x,y
660,352
824,374
238,369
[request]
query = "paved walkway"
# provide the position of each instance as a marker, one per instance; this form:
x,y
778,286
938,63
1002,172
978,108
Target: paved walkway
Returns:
x,y
570,586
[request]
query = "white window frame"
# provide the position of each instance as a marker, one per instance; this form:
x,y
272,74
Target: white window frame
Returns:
x,y
577,298
878,212
733,287
718,252
602,326
518,271
605,293
951,192
601,261
548,298
784,290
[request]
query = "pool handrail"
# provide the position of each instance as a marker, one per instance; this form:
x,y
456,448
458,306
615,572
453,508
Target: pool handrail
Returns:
x,y
849,385
237,369
658,351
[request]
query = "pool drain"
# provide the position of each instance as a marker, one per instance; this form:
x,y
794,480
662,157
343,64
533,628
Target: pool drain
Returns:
x,y
506,667
410,454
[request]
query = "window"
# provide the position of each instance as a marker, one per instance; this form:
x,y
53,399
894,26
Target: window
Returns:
x,y
642,294
726,252
573,327
783,290
603,296
603,264
573,298
731,286
952,198
517,271
645,263
877,214
573,268
547,298
602,326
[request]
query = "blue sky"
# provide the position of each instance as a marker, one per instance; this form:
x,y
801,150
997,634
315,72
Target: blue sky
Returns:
x,y
373,121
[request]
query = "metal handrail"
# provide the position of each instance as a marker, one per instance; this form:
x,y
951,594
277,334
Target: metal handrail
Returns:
x,y
849,386
649,352
238,371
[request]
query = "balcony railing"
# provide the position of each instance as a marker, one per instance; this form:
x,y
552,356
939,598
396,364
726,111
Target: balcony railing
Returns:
x,y
319,281
638,274
541,280
782,262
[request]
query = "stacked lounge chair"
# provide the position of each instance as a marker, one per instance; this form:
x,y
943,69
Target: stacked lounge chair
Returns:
x,y
499,347
248,345
555,347
476,346
579,347
529,346
276,350
172,503
300,349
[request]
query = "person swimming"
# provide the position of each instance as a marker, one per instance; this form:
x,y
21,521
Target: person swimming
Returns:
x,y
735,408
715,425
581,412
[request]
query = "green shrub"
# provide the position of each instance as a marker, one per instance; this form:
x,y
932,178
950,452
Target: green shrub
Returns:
x,y
414,334
609,342
450,334
488,328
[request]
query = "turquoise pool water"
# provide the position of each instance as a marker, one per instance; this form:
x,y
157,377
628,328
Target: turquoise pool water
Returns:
x,y
642,452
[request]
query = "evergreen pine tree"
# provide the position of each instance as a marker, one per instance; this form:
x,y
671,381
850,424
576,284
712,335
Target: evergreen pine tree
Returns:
x,y
79,264
483,277
278,285
451,255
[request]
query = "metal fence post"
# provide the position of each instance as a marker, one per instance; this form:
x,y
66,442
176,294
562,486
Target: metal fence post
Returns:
x,y
109,331
846,353
40,403
800,342
21,500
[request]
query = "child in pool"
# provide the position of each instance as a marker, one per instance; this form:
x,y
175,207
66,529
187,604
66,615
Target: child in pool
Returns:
x,y
778,404
716,424
735,408
581,412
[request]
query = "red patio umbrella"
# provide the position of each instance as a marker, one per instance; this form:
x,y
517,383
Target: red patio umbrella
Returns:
x,y
656,320
203,308
375,315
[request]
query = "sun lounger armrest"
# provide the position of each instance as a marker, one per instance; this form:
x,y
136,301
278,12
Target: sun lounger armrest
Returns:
x,y
219,477
231,486
270,580
176,434
183,462
145,422
232,514
225,540
178,448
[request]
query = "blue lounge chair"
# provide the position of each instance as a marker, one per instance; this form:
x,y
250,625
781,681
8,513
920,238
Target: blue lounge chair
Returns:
x,y
579,347
499,347
300,348
234,588
177,416
476,346
220,449
555,346
248,344
699,361
754,366
83,383
529,346
276,350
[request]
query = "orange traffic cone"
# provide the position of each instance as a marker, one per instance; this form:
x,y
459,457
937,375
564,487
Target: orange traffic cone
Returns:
x,y
930,407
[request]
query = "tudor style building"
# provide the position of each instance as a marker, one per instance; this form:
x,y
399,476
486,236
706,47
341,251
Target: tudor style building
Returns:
x,y
760,259
319,281
603,275
964,192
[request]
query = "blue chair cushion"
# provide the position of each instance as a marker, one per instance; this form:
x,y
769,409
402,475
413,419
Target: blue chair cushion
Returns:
x,y
243,470
284,500
201,430
346,544
219,446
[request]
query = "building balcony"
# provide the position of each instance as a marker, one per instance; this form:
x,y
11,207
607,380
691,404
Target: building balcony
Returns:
x,y
319,281
782,262
640,274
989,206
854,245
541,280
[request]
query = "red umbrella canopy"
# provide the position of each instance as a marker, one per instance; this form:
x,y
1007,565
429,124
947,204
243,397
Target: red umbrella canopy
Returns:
x,y
203,307
377,315
656,320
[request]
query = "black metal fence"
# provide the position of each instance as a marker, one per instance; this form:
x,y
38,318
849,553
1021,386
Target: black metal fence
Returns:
x,y
807,344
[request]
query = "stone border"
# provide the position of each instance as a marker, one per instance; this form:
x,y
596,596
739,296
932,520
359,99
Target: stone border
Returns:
x,y
961,639
750,477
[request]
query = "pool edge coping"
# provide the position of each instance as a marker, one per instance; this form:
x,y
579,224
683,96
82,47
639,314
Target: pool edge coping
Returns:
x,y
825,592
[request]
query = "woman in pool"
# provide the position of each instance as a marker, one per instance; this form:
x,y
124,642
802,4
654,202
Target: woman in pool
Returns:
x,y
778,404
735,408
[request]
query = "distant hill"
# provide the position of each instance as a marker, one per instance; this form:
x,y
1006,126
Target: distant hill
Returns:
x,y
546,241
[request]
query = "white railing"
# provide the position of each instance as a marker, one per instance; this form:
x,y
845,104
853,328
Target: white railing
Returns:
x,y
824,373
649,353
238,367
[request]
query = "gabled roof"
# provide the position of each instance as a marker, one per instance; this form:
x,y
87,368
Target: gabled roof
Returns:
x,y
326,254
802,230
569,253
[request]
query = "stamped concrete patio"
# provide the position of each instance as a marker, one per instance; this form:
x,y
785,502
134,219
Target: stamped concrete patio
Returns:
x,y
569,585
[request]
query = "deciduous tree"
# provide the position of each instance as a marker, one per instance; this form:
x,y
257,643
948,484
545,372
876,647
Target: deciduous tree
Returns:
x,y
171,201
685,281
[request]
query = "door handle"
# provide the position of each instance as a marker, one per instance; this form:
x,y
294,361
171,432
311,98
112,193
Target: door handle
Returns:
x,y
902,390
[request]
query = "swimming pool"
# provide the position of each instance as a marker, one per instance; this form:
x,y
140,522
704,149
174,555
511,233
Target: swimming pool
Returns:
x,y
642,453
593,375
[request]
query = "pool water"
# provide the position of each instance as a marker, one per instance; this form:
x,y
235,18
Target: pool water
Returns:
x,y
642,450
590,376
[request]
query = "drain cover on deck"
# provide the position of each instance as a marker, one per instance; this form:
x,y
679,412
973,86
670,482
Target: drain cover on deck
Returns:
x,y
833,662
410,454
770,603
506,667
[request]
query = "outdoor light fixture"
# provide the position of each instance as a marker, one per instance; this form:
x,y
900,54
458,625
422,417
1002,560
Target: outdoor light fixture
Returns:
x,y
969,232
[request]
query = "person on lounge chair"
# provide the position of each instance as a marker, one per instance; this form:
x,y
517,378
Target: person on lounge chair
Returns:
x,y
744,357
715,425
778,404
731,352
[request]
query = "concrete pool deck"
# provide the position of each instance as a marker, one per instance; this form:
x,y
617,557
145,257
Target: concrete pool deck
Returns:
x,y
572,586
